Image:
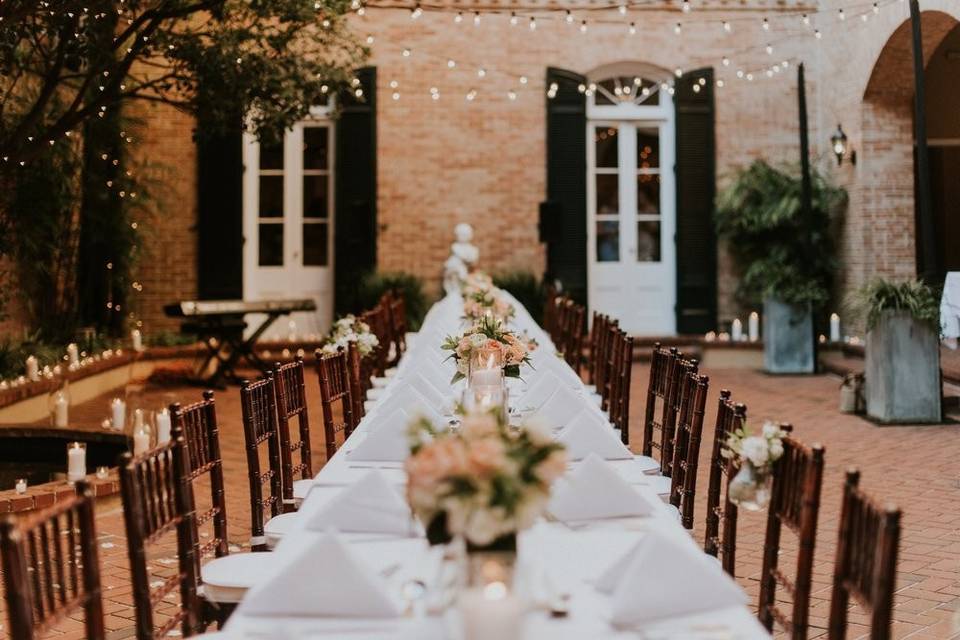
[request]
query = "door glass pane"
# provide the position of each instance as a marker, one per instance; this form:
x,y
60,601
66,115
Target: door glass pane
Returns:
x,y
271,155
315,244
315,196
271,244
648,241
648,194
648,148
271,196
605,139
608,241
315,147
608,194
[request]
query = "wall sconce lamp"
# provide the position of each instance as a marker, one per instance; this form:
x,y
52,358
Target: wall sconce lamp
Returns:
x,y
839,143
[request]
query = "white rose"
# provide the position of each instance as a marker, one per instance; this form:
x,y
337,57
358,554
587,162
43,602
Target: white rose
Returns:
x,y
776,449
477,340
770,430
755,450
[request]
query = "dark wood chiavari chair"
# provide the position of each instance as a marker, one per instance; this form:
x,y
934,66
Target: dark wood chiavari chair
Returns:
x,y
398,326
51,569
291,401
560,325
602,361
686,451
593,342
612,357
260,430
379,323
866,561
794,503
658,388
619,406
355,372
334,378
573,338
157,500
723,540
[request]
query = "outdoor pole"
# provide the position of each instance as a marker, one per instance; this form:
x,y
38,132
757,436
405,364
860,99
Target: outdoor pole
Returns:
x,y
806,196
928,265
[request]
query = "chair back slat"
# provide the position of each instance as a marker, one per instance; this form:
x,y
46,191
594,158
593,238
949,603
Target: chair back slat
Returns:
x,y
291,395
620,380
335,398
721,521
865,567
794,503
262,435
379,322
158,499
198,424
658,407
355,372
51,569
597,325
692,400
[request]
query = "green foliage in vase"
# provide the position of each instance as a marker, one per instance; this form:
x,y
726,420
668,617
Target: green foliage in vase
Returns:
x,y
782,252
373,285
526,288
918,299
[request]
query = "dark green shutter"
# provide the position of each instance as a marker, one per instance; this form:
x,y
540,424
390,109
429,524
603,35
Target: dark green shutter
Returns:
x,y
220,212
567,182
696,188
355,195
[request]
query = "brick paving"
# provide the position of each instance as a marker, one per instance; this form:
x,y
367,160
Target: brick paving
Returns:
x,y
913,467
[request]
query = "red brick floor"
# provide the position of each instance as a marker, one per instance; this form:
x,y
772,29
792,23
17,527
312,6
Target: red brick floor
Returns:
x,y
917,468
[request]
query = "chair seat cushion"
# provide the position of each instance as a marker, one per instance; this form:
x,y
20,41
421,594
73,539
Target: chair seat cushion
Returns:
x,y
277,527
227,579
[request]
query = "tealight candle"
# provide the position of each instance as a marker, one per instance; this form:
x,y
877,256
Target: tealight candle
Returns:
x,y
103,473
753,326
136,339
33,368
21,486
73,354
76,461
118,409
736,330
163,426
491,611
834,327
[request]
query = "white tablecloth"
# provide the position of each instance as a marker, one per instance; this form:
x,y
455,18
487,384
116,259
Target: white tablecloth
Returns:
x,y
569,558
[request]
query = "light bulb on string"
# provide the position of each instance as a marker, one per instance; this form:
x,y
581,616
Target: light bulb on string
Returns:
x,y
533,23
685,6
370,39
677,28
523,79
840,14
876,8
678,72
726,61
513,18
451,63
727,27
476,18
806,20
769,49
406,53
766,25
481,72
632,29
569,17
512,94
817,34
622,9
457,19
416,12
583,26
720,83
864,17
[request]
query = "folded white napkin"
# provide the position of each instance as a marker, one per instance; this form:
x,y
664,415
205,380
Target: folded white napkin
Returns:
x,y
594,490
539,391
370,505
550,362
560,407
662,577
589,433
425,388
325,578
409,400
386,441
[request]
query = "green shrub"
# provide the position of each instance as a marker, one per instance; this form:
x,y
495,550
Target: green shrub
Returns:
x,y
526,288
374,285
781,251
917,298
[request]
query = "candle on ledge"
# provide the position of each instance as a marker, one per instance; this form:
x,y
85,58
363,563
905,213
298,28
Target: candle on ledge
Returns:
x,y
118,409
103,473
33,368
21,486
736,330
753,326
73,354
163,426
141,441
834,327
136,339
76,461
61,409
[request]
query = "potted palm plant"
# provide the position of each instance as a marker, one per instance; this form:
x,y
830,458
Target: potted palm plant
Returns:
x,y
786,255
902,368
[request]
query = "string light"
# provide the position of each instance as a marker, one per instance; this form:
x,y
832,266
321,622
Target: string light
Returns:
x,y
457,19
533,23
686,6
481,72
727,27
841,14
569,17
583,26
622,9
476,18
677,28
451,63
513,18
769,49
766,25
512,94
726,61
416,12
633,28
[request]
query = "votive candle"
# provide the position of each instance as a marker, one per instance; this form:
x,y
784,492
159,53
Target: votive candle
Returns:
x,y
753,326
118,410
21,486
61,409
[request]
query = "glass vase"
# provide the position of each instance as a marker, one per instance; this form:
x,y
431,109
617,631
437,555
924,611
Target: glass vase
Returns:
x,y
487,604
750,488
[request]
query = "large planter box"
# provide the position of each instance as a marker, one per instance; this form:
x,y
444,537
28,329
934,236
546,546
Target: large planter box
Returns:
x,y
903,370
788,345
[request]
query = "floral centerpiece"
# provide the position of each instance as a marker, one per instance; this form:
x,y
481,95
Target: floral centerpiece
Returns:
x,y
488,339
350,329
484,482
486,302
755,456
477,281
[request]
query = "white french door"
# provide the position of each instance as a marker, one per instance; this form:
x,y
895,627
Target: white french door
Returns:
x,y
632,219
288,225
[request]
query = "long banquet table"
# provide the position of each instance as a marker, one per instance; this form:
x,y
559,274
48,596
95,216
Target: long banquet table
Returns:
x,y
553,557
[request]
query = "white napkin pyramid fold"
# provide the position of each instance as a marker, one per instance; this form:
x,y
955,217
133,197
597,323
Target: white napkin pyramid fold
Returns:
x,y
325,579
370,505
593,491
661,577
562,405
553,364
589,433
425,388
386,441
539,391
408,399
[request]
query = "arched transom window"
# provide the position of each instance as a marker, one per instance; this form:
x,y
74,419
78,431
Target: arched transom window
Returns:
x,y
617,90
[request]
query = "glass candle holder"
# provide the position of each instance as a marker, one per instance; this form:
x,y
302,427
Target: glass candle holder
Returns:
x,y
21,486
76,461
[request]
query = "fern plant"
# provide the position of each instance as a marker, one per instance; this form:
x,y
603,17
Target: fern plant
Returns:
x,y
918,299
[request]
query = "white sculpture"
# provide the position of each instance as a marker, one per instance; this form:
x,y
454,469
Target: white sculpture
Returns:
x,y
463,257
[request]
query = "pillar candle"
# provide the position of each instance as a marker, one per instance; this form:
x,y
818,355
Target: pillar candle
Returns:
x,y
834,328
753,326
21,486
118,410
485,377
736,330
73,354
141,442
33,368
76,461
136,339
163,426
491,612
61,409
137,420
